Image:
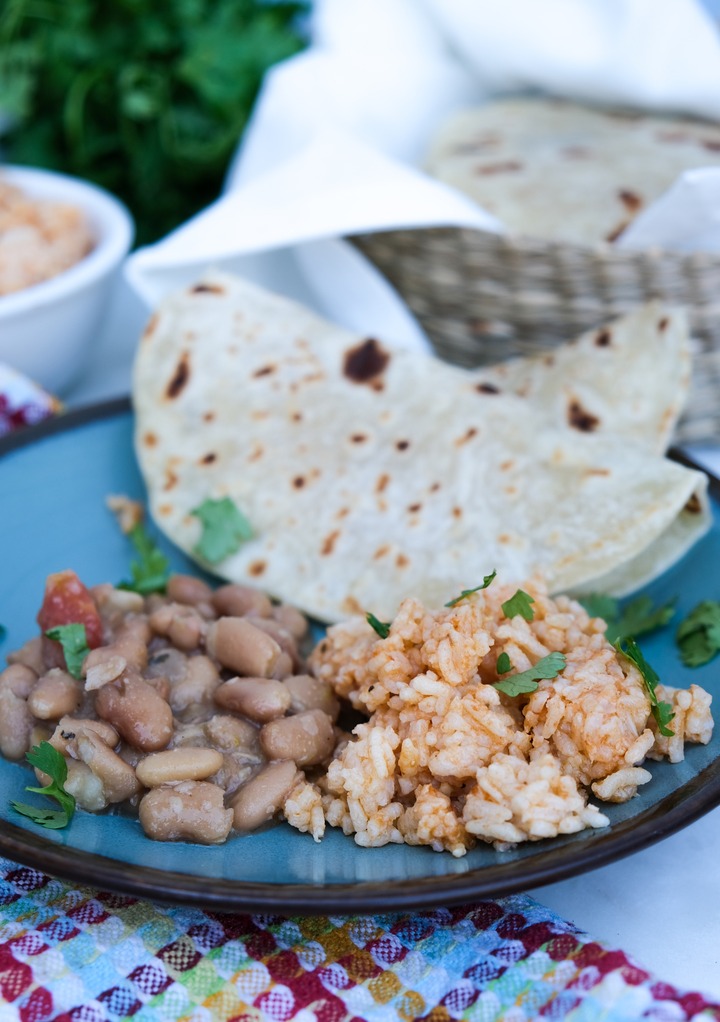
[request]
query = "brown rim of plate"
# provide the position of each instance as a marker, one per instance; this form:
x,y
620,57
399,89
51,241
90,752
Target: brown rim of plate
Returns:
x,y
676,810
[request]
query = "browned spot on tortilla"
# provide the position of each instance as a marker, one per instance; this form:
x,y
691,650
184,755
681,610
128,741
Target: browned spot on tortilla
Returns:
x,y
381,552
402,445
214,289
504,538
150,440
150,325
358,438
435,487
663,324
487,388
457,512
343,512
256,453
511,490
382,482
414,508
299,482
264,371
468,435
549,360
171,480
180,377
502,167
260,414
401,561
351,606
505,465
365,361
602,338
297,416
576,152
713,145
693,505
597,471
209,458
329,543
671,136
209,416
377,385
616,231
257,568
580,418
165,509
630,200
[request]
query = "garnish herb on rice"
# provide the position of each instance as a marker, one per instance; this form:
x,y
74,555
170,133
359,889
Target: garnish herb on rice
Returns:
x,y
381,627
487,579
47,758
638,617
73,639
662,712
224,528
503,664
527,681
151,571
519,603
698,635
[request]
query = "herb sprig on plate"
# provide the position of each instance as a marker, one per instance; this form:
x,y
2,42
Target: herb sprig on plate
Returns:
x,y
46,758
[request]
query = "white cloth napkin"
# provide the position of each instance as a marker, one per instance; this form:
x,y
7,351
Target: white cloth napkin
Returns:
x,y
339,132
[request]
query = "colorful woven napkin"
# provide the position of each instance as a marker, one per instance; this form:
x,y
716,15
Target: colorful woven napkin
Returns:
x,y
72,954
22,402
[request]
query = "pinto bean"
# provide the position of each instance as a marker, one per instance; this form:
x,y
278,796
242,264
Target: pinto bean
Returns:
x,y
292,620
56,694
30,654
239,645
307,738
167,663
264,796
67,728
137,712
16,724
196,688
19,679
260,699
188,811
232,734
310,693
188,589
238,601
183,764
84,785
117,777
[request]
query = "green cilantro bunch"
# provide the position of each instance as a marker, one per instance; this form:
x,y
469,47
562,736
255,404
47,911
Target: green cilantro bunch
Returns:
x,y
148,100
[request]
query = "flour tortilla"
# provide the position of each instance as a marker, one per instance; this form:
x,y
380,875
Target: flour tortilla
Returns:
x,y
552,169
369,474
630,377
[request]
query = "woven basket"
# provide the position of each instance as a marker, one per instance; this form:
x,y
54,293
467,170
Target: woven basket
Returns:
x,y
483,298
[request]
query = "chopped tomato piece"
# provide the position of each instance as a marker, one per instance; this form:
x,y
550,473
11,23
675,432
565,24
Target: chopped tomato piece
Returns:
x,y
67,601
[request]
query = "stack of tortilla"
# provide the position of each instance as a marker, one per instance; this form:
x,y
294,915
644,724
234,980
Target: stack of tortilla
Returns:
x,y
369,474
553,169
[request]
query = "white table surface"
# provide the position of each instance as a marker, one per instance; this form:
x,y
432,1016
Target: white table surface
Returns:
x,y
662,905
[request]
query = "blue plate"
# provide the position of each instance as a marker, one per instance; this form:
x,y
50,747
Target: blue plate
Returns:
x,y
54,479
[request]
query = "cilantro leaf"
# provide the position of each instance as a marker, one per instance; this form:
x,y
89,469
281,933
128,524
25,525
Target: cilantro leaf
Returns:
x,y
503,664
47,759
662,712
487,579
519,603
527,681
638,617
151,571
224,526
73,640
698,636
381,627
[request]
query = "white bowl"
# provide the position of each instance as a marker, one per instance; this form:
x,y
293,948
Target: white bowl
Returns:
x,y
47,330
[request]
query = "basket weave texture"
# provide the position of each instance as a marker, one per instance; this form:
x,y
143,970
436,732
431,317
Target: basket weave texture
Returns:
x,y
483,298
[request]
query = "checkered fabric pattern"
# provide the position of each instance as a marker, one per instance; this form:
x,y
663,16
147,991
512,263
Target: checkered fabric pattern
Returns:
x,y
72,954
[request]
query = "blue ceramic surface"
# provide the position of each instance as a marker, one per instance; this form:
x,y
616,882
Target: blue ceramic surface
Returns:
x,y
53,483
